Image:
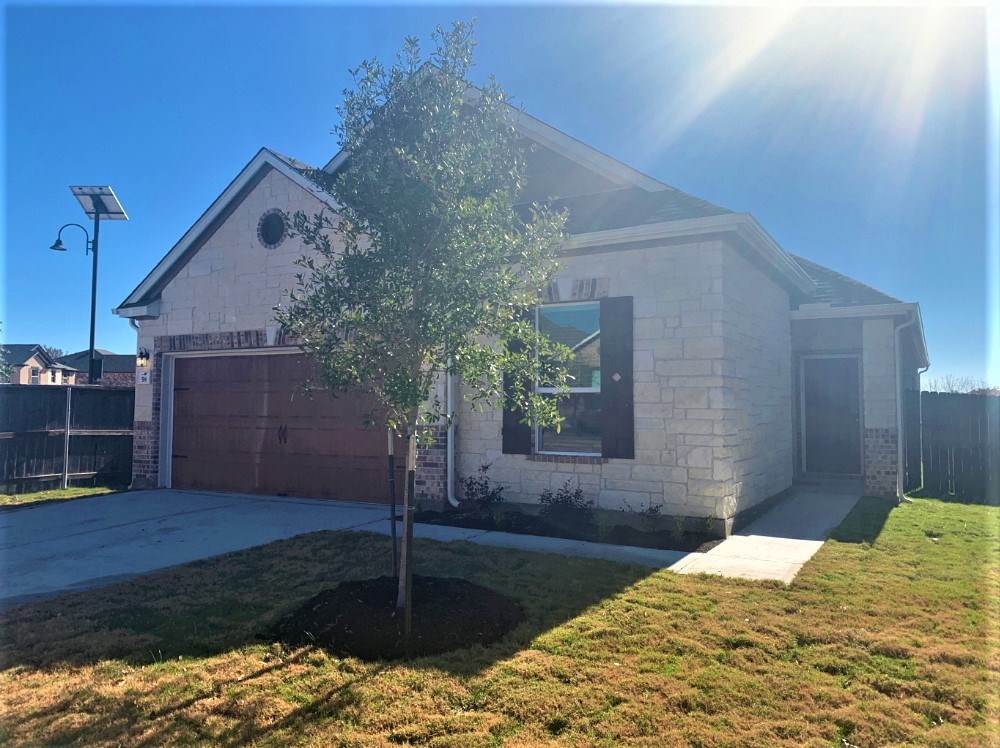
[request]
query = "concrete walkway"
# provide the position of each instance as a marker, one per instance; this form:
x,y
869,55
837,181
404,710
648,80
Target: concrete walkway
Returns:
x,y
74,545
781,541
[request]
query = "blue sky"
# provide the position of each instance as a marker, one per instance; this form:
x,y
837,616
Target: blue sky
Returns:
x,y
857,137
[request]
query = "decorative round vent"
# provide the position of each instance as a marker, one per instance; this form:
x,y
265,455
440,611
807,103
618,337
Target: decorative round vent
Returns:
x,y
272,228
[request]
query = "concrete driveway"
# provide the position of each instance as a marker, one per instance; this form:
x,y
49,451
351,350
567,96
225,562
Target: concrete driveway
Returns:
x,y
75,545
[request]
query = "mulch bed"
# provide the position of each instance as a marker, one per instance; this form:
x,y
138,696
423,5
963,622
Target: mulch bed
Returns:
x,y
572,528
359,618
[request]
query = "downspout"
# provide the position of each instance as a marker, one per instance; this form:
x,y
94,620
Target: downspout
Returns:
x,y
134,324
450,459
899,408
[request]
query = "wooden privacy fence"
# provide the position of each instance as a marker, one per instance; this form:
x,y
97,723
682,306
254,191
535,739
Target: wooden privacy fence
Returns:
x,y
54,436
961,445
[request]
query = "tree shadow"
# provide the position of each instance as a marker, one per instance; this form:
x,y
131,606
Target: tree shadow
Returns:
x,y
864,522
214,606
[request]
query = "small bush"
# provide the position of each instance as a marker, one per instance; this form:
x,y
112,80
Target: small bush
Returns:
x,y
481,492
567,506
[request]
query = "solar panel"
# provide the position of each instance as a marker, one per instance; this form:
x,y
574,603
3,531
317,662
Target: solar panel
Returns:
x,y
99,199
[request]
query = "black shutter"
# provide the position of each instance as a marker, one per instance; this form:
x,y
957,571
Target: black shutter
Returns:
x,y
516,434
617,410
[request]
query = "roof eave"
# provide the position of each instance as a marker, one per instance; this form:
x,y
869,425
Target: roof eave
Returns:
x,y
147,292
907,310
743,225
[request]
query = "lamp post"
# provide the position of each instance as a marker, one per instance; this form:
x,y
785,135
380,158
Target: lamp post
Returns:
x,y
96,202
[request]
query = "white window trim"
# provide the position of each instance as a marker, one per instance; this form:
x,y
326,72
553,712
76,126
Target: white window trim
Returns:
x,y
572,390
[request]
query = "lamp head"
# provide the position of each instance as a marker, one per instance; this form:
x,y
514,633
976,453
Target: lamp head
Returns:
x,y
58,246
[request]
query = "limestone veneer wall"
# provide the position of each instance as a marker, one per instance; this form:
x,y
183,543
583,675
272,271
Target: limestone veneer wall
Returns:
x,y
756,396
225,293
694,410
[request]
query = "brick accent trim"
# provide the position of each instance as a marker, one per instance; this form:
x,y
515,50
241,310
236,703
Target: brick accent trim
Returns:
x,y
881,462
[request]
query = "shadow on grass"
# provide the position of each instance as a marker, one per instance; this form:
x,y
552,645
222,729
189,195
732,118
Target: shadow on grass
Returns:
x,y
212,607
864,522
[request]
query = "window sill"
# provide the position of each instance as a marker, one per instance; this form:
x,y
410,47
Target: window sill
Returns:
x,y
572,459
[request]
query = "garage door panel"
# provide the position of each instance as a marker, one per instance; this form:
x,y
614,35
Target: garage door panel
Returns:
x,y
242,423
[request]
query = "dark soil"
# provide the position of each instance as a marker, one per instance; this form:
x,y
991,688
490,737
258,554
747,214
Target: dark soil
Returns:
x,y
570,528
360,619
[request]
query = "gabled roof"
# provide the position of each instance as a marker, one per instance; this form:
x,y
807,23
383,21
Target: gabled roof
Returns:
x,y
839,290
147,293
612,169
632,207
111,362
17,354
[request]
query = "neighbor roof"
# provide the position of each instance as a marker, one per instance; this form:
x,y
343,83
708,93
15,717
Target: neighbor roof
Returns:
x,y
17,354
111,362
838,290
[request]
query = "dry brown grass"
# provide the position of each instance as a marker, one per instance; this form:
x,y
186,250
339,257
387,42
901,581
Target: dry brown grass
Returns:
x,y
887,637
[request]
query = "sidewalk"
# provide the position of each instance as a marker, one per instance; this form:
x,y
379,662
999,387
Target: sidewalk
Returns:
x,y
80,544
778,544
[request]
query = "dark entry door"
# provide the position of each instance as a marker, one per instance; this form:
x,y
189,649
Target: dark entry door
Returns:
x,y
241,424
832,415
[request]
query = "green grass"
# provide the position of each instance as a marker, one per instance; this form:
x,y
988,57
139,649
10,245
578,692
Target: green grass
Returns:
x,y
888,636
54,494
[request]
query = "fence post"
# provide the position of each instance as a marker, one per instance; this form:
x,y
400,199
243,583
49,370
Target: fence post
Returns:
x,y
65,465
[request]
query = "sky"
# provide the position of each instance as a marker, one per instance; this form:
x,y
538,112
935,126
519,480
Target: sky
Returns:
x,y
862,139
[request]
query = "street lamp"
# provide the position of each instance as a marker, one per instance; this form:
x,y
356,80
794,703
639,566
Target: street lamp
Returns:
x,y
96,202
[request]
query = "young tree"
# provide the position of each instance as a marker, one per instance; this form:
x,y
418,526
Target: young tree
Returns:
x,y
428,268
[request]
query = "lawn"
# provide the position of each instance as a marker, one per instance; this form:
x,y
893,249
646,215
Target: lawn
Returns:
x,y
54,494
888,636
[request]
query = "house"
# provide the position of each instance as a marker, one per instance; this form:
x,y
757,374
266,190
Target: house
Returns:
x,y
30,364
714,369
117,370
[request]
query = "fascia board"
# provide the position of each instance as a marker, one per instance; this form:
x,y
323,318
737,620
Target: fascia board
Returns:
x,y
901,309
264,157
144,311
868,310
743,225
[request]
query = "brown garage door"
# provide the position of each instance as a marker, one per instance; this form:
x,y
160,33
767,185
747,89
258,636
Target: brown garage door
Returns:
x,y
241,423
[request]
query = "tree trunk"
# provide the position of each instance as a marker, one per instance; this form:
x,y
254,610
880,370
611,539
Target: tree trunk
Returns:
x,y
404,601
392,503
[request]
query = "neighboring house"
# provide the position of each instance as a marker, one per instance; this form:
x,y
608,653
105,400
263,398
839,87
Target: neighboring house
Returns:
x,y
117,370
714,367
30,364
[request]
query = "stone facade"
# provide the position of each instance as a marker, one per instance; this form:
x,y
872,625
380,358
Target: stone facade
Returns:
x,y
711,365
713,357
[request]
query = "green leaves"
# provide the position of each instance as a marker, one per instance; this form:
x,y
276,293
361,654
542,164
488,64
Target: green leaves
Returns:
x,y
428,260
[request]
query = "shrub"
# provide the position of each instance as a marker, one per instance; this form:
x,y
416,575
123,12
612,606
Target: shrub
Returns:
x,y
481,492
567,506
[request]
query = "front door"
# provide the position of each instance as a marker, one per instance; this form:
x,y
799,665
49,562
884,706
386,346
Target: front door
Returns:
x,y
831,415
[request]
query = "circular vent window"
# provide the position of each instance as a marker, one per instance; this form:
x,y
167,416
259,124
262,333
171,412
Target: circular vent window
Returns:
x,y
272,228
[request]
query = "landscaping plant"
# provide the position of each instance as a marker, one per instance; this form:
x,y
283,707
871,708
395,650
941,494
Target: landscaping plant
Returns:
x,y
427,257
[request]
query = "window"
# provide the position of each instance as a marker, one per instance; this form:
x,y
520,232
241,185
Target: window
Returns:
x,y
35,371
578,327
599,418
52,376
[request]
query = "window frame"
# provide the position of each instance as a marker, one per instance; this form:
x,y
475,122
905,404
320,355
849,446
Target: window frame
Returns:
x,y
536,429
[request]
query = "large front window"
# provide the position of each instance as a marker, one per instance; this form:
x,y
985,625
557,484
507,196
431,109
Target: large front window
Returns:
x,y
578,327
